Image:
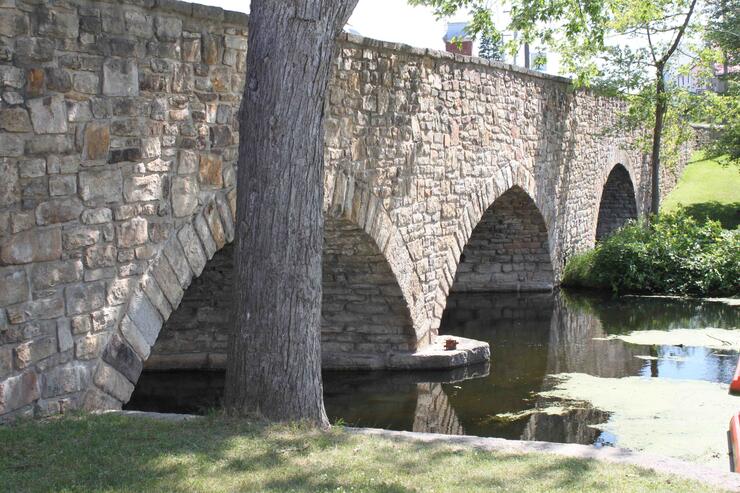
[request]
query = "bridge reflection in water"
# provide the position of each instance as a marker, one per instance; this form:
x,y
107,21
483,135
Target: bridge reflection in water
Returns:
x,y
533,336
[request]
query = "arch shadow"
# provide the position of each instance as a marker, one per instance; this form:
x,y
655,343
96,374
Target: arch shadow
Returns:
x,y
617,202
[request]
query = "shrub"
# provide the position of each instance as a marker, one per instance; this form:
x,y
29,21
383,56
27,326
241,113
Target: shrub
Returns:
x,y
672,254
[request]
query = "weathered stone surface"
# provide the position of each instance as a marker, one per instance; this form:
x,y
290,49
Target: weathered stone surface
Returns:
x,y
15,120
65,379
113,383
193,248
210,170
91,346
100,215
184,195
123,358
33,351
18,391
9,185
103,186
145,317
58,211
142,188
61,185
36,245
133,232
100,256
97,141
84,297
13,286
49,274
11,145
120,77
48,115
167,281
31,168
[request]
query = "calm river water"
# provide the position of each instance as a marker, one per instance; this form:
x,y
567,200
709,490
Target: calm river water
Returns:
x,y
533,337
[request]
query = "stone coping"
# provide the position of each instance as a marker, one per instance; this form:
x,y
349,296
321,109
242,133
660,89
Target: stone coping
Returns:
x,y
217,14
657,463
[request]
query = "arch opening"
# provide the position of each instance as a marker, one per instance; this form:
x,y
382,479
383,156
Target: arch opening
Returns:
x,y
618,204
364,313
508,250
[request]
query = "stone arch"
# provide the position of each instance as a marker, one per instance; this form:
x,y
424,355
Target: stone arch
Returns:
x,y
508,249
617,202
347,200
159,291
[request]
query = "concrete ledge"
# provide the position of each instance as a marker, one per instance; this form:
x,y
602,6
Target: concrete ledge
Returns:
x,y
664,465
433,357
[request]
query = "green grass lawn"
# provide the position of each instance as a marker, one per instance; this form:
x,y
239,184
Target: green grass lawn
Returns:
x,y
708,190
122,454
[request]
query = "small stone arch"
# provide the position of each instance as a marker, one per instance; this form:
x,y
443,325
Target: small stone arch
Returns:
x,y
508,249
617,202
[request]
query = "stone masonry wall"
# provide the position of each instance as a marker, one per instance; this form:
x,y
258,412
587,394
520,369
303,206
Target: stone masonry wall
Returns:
x,y
617,204
118,124
508,250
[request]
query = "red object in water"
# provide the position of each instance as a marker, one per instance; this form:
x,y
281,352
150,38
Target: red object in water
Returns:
x,y
735,384
733,439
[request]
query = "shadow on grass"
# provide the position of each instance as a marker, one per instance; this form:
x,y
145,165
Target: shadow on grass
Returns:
x,y
116,453
727,214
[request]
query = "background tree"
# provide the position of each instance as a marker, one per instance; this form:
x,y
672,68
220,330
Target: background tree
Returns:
x,y
274,360
491,48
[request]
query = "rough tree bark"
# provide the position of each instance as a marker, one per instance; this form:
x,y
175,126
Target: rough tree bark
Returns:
x,y
274,360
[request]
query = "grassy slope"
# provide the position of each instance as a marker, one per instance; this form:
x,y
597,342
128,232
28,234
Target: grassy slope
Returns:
x,y
116,454
707,189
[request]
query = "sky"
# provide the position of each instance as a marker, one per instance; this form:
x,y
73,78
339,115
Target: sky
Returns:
x,y
387,20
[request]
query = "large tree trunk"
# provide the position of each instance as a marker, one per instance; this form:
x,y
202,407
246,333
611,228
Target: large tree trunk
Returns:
x,y
274,360
660,110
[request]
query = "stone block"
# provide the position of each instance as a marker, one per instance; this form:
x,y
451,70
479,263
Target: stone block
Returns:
x,y
46,275
132,232
65,379
193,249
168,28
188,163
58,79
104,185
178,261
64,335
6,361
9,186
142,188
210,170
91,346
204,233
61,185
101,215
86,83
48,115
97,141
213,218
33,351
58,211
95,400
79,111
120,77
145,317
156,296
18,391
184,196
15,120
100,256
113,383
41,309
123,358
13,286
37,245
84,297
11,145
119,291
167,281
135,338
32,168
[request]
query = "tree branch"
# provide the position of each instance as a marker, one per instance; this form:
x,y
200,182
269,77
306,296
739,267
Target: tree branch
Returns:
x,y
682,30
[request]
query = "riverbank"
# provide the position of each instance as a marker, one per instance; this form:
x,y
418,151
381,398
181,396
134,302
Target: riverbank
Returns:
x,y
120,454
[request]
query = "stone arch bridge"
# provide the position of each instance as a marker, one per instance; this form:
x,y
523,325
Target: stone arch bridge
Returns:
x,y
118,133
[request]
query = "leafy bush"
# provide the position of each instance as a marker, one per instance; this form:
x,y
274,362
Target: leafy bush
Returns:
x,y
672,254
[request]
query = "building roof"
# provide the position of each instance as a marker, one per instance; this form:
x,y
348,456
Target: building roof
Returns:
x,y
456,30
